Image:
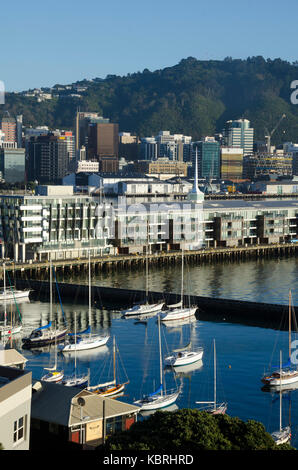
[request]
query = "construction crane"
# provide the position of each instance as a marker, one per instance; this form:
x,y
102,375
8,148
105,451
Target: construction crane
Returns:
x,y
269,134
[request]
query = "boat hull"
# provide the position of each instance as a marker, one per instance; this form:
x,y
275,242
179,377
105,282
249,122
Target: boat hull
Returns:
x,y
110,391
155,403
143,309
44,341
282,437
53,377
184,359
7,331
14,295
273,381
178,314
86,344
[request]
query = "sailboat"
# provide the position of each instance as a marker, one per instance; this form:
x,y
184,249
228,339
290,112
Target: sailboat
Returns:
x,y
179,311
53,375
214,407
160,398
146,307
283,435
46,334
12,294
284,375
113,387
185,355
86,340
5,328
76,380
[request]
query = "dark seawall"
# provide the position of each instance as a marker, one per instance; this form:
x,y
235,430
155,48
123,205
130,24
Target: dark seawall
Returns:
x,y
209,308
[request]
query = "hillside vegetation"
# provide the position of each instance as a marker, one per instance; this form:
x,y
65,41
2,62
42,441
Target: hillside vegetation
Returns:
x,y
194,97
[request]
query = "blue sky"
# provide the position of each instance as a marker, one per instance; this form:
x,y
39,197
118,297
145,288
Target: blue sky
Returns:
x,y
64,41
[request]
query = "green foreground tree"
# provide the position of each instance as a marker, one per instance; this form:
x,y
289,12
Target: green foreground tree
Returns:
x,y
194,431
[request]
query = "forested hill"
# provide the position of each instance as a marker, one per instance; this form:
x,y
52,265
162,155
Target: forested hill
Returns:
x,y
194,98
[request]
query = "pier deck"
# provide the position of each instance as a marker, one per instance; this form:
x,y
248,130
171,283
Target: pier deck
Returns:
x,y
39,269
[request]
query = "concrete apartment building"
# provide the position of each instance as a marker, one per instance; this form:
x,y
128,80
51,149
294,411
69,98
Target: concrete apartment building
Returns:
x,y
15,408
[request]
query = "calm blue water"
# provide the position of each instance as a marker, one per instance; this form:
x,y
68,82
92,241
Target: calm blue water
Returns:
x,y
243,352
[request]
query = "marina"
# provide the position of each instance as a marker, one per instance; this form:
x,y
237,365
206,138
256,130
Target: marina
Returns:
x,y
240,364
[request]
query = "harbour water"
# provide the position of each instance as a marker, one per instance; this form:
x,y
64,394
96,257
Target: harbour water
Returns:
x,y
243,352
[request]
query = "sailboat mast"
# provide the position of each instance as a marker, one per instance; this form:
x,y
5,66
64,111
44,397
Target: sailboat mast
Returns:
x,y
182,274
114,360
89,292
51,289
75,345
290,295
280,395
214,375
4,285
147,273
160,360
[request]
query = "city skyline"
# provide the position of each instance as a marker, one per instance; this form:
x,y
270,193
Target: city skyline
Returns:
x,y
58,44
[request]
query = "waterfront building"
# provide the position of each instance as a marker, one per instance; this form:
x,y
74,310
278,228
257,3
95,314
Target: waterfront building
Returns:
x,y
208,151
239,134
54,222
12,164
15,408
58,223
231,163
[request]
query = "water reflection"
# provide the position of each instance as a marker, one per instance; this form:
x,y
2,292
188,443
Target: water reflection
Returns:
x,y
263,280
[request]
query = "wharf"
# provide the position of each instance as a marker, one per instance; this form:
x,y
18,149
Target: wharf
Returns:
x,y
209,309
40,269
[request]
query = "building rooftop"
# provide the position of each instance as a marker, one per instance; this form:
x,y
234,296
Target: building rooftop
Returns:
x,y
58,404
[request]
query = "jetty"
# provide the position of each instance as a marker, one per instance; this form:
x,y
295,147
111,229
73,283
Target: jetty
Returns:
x,y
40,269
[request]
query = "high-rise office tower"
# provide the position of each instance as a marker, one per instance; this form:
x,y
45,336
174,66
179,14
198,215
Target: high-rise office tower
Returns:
x,y
208,158
239,134
47,158
103,141
9,127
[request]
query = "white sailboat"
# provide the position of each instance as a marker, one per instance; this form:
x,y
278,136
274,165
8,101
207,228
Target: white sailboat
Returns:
x,y
160,398
185,355
76,380
46,334
179,311
146,307
212,406
113,387
12,294
86,340
283,435
285,375
53,375
5,328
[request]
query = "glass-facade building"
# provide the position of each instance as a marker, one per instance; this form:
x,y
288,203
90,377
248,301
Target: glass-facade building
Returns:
x,y
208,153
12,165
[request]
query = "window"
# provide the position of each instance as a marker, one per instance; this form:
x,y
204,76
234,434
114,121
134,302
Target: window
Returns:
x,y
19,430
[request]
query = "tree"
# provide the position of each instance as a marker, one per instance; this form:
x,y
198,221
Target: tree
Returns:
x,y
192,431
